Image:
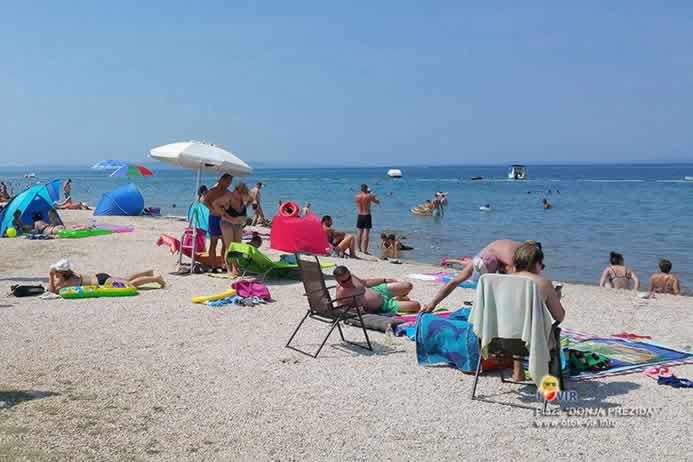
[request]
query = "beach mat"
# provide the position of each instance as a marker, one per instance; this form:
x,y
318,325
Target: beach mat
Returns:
x,y
626,356
375,322
442,277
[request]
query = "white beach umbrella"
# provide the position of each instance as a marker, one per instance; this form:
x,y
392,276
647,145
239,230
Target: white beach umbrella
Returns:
x,y
199,156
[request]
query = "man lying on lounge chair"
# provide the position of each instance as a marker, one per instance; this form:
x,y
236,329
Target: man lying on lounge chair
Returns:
x,y
381,295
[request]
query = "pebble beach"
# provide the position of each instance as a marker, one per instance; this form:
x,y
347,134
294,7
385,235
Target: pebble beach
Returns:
x,y
156,377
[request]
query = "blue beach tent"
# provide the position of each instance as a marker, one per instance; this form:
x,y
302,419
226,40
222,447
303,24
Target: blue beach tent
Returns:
x,y
54,189
126,200
34,200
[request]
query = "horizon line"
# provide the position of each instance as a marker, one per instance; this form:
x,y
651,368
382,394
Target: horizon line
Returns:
x,y
269,165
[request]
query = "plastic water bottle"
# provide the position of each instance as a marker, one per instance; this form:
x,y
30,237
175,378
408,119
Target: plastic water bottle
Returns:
x,y
389,336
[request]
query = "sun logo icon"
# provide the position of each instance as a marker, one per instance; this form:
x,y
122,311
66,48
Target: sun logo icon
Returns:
x,y
549,387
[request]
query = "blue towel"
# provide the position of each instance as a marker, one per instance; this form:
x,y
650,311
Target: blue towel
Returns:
x,y
447,340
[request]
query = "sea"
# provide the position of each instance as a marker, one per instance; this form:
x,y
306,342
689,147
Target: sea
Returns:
x,y
644,211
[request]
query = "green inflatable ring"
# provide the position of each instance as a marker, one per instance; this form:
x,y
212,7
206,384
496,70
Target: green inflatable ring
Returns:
x,y
97,291
75,234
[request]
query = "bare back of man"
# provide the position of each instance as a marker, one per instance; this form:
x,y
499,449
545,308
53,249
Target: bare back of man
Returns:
x,y
503,250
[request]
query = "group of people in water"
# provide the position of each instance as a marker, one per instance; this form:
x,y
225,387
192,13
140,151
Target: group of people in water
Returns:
x,y
432,207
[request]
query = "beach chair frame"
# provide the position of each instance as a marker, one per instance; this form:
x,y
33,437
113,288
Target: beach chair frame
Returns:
x,y
323,308
509,347
245,261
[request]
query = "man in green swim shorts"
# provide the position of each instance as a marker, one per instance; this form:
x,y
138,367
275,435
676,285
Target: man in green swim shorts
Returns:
x,y
380,295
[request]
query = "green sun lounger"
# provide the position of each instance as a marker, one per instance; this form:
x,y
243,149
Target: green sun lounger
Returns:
x,y
252,260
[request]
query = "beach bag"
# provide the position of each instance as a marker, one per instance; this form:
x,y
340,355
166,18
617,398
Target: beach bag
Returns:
x,y
251,288
26,291
200,241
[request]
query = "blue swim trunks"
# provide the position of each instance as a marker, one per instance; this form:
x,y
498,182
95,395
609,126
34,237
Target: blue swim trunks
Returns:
x,y
214,226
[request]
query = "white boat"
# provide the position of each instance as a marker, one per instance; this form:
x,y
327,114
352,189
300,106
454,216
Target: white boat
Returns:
x,y
517,172
688,178
29,175
394,173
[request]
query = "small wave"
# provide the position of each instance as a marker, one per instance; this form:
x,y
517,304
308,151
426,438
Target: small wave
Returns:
x,y
613,181
673,181
438,179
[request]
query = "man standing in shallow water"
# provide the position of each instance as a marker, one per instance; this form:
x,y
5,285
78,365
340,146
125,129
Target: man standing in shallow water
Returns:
x,y
214,224
364,222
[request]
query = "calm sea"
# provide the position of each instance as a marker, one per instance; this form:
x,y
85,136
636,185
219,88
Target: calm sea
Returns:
x,y
643,211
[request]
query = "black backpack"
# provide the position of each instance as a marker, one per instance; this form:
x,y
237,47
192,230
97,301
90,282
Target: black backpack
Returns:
x,y
26,291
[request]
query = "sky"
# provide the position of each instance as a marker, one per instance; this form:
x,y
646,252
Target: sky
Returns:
x,y
356,83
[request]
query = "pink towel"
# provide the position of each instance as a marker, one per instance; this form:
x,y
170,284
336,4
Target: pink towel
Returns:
x,y
412,317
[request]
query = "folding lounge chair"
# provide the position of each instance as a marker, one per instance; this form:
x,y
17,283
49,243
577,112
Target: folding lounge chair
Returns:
x,y
252,260
322,307
499,320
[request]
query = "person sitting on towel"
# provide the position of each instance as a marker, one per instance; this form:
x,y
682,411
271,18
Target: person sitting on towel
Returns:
x,y
18,225
381,295
61,275
339,241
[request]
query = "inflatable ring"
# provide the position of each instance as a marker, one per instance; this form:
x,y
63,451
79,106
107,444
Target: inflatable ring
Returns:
x,y
97,291
289,209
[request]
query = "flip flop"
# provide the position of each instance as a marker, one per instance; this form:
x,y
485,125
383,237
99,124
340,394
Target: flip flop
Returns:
x,y
675,382
655,372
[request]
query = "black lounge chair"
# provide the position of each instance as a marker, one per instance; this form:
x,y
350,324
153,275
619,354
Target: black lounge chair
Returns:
x,y
322,307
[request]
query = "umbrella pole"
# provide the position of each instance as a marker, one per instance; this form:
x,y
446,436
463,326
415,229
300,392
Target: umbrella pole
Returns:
x,y
197,218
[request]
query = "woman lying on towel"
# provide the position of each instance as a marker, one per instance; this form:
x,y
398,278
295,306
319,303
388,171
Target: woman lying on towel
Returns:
x,y
41,227
69,205
61,275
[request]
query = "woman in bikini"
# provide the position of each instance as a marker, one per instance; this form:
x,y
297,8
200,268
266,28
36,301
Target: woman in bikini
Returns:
x,y
61,275
41,227
664,282
617,275
232,207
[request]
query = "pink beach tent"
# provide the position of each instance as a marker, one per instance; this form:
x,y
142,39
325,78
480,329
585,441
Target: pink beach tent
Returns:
x,y
296,234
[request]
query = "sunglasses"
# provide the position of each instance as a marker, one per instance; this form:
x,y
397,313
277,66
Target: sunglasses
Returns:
x,y
345,281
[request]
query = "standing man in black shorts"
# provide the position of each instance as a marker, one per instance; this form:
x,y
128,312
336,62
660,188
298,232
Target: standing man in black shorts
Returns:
x,y
364,222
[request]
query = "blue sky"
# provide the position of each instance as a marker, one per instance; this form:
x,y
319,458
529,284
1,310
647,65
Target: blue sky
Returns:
x,y
362,83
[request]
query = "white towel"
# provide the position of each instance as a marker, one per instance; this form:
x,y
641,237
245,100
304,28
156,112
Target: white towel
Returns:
x,y
508,306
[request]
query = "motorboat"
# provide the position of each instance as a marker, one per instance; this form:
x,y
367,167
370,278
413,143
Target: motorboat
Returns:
x,y
688,178
476,178
517,172
394,173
